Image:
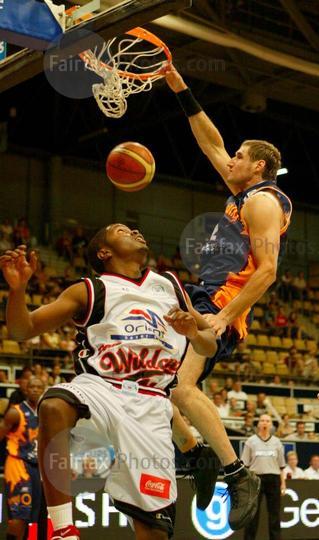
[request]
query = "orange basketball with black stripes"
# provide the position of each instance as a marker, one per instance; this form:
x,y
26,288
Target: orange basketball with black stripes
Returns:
x,y
130,166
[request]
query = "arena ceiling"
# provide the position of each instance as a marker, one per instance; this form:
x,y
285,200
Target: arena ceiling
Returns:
x,y
227,80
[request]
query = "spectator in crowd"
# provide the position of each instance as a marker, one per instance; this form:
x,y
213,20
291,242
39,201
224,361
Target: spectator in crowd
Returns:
x,y
3,377
264,406
234,408
294,330
224,394
312,473
237,392
270,316
251,407
310,368
5,242
298,435
241,359
222,407
229,384
79,241
56,377
37,370
248,428
281,323
64,245
312,436
6,229
20,393
291,359
276,381
284,428
285,286
299,286
264,454
67,342
21,233
51,340
291,471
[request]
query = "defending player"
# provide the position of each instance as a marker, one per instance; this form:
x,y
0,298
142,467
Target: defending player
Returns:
x,y
238,265
21,472
126,360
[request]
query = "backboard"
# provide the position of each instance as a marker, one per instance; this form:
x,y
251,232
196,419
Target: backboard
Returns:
x,y
114,17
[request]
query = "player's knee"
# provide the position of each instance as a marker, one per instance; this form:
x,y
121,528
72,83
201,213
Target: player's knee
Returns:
x,y
182,395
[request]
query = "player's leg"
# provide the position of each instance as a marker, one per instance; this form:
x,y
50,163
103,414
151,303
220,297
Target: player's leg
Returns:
x,y
202,462
200,410
16,529
56,419
242,484
146,532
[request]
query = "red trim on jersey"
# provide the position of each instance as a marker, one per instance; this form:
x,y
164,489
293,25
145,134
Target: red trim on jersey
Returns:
x,y
179,283
136,282
90,304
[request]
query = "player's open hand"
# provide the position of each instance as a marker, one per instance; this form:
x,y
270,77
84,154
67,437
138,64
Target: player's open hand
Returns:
x,y
16,268
173,78
217,323
182,322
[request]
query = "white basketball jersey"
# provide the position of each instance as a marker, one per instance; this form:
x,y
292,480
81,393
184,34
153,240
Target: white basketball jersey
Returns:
x,y
124,335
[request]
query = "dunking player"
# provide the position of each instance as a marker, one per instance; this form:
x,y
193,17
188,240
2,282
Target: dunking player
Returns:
x,y
21,472
126,360
256,219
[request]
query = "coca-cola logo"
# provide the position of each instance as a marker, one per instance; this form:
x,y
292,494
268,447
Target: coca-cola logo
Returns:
x,y
155,486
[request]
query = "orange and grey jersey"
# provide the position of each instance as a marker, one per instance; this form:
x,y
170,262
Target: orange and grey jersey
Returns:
x,y
22,443
125,336
227,261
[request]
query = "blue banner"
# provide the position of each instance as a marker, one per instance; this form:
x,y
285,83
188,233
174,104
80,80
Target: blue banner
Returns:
x,y
28,23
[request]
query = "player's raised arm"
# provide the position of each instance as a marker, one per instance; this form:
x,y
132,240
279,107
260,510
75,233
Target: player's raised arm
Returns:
x,y
21,323
264,219
206,133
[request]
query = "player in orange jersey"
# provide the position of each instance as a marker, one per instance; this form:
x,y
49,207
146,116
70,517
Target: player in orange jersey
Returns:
x,y
21,472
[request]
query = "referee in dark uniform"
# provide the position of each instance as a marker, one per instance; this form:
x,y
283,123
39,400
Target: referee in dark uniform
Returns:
x,y
264,454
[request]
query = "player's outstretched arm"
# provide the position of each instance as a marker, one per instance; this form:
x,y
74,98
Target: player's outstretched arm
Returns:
x,y
205,132
22,324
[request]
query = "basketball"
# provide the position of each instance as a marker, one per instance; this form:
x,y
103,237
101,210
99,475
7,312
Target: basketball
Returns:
x,y
130,166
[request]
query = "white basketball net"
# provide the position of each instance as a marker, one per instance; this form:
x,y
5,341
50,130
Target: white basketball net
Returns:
x,y
111,94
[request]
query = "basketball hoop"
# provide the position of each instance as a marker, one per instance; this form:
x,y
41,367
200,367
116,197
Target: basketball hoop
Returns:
x,y
127,65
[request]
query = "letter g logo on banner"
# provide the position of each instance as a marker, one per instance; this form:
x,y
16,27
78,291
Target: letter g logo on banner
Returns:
x,y
213,522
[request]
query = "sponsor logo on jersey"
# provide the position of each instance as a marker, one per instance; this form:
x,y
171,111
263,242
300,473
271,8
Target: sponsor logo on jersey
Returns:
x,y
155,486
143,324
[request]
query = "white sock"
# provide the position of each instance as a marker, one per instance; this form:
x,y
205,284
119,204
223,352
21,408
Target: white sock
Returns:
x,y
61,515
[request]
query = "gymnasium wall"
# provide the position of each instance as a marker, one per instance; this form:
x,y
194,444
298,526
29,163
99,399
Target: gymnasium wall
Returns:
x,y
53,193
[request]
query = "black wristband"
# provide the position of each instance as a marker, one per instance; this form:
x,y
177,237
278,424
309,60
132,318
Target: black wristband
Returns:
x,y
188,103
